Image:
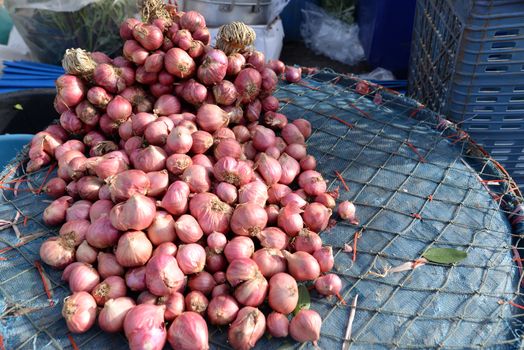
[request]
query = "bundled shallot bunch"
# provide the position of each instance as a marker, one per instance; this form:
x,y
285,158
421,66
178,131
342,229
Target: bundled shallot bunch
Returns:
x,y
184,198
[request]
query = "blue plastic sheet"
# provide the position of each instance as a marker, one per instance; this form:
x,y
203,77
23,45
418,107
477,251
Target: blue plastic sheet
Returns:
x,y
417,182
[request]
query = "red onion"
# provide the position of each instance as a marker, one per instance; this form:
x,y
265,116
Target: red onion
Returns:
x,y
119,109
272,211
290,168
137,213
88,187
273,152
269,80
192,21
248,219
85,253
87,113
78,211
270,261
304,126
57,252
174,303
162,229
312,182
163,275
203,35
136,279
74,230
316,216
151,158
215,261
179,140
55,187
325,258
144,327
308,163
220,276
252,111
187,229
239,247
196,176
255,192
277,192
108,265
79,312
263,138
308,241
329,284
242,133
275,120
257,59
270,104
70,90
346,210
133,249
194,92
146,297
273,237
201,141
177,163
156,133
227,192
126,28
269,168
252,292
235,63
305,326
222,310
248,83
206,161
166,105
70,145
165,78
191,258
188,331
216,241
168,248
175,199
134,52
247,329
202,282
225,93
293,74
240,270
210,117
70,122
111,317
277,325
297,151
83,278
235,113
212,214
277,66
302,266
154,63
290,220
179,63
148,35
111,288
228,147
197,302
283,293
101,233
191,126
213,68
127,183
159,181
196,49
140,121
55,213
292,134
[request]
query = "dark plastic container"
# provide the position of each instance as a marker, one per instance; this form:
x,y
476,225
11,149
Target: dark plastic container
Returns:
x,y
292,18
385,29
36,111
10,145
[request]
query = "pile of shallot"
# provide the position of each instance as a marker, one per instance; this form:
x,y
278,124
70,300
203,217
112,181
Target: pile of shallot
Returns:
x,y
184,198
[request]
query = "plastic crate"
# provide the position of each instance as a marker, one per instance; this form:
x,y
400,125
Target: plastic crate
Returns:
x,y
467,62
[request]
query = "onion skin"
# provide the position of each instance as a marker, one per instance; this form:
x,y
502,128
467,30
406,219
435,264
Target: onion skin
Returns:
x,y
133,249
188,332
247,329
163,276
144,327
302,266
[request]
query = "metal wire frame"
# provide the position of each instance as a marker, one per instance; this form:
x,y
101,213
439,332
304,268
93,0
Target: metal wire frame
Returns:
x,y
384,150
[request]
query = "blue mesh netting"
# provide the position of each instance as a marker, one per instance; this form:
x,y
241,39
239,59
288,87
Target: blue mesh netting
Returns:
x,y
399,160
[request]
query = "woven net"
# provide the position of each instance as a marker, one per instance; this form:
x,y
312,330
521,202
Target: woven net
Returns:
x,y
417,182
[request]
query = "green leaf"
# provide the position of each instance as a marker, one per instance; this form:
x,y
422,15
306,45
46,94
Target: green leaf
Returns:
x,y
19,107
444,255
304,300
